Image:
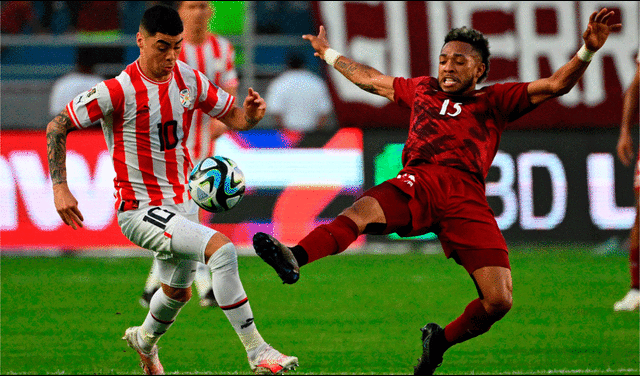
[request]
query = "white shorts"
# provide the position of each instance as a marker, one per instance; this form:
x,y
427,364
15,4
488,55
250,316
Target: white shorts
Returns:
x,y
175,236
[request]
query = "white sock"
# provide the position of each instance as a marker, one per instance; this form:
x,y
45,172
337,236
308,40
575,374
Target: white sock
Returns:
x,y
203,280
162,313
152,283
231,297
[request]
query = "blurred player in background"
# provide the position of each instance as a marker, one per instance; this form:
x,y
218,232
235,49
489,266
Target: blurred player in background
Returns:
x,y
625,152
145,114
80,79
214,56
453,137
298,98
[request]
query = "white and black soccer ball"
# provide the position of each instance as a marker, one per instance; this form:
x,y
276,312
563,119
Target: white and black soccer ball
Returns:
x,y
216,184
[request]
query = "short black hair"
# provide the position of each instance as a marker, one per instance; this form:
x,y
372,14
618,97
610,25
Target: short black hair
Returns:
x,y
161,19
476,39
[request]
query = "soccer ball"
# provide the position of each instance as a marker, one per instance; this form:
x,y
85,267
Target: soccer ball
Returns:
x,y
216,184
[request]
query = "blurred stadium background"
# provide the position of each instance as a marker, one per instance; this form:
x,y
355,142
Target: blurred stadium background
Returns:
x,y
556,185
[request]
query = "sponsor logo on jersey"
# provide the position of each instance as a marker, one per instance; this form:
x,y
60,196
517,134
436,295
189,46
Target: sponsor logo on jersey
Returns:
x,y
407,178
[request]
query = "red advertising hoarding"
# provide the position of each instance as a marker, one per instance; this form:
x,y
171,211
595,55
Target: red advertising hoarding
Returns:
x,y
288,188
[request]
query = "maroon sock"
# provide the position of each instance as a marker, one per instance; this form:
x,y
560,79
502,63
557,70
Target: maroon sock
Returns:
x,y
633,266
474,321
330,239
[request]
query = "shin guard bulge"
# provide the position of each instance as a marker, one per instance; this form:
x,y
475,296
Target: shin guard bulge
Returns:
x,y
231,296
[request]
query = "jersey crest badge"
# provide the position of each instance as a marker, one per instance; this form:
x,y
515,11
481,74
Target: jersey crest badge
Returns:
x,y
185,98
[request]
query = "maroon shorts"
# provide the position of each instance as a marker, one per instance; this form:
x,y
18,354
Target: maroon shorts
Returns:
x,y
449,202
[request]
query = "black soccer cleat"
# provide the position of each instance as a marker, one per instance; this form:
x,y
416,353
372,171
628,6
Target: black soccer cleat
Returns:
x,y
278,256
431,356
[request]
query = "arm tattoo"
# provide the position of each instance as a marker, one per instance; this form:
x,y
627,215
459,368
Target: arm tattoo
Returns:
x,y
57,147
368,88
357,72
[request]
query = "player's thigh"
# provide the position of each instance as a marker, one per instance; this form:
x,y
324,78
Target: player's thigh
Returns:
x,y
168,231
384,209
470,234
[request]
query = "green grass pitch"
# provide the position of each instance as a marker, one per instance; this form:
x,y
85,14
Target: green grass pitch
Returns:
x,y
350,314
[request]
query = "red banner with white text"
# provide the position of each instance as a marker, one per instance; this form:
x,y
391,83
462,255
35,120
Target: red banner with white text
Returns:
x,y
528,40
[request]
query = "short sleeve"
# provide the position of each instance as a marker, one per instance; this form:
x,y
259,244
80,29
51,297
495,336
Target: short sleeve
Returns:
x,y
512,100
212,100
90,106
404,91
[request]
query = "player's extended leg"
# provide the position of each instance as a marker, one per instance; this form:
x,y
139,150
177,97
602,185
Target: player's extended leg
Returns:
x,y
324,240
495,298
221,257
631,301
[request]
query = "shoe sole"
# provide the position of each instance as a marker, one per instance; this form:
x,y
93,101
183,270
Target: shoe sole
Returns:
x,y
271,251
290,366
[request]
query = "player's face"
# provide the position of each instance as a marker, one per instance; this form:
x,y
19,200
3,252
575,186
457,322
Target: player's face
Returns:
x,y
159,53
195,14
459,68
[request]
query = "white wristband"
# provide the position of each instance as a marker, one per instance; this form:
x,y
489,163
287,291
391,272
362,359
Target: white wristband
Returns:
x,y
584,54
331,56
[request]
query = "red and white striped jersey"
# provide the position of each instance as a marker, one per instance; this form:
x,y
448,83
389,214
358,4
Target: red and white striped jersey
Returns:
x,y
146,124
215,57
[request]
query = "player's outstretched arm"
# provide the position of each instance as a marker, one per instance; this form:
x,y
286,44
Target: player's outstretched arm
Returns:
x,y
66,204
629,114
565,78
365,77
245,118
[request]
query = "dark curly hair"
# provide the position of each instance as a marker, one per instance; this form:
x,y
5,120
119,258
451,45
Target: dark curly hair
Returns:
x,y
476,40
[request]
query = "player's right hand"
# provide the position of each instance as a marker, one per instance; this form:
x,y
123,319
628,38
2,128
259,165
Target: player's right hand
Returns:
x,y
319,43
67,206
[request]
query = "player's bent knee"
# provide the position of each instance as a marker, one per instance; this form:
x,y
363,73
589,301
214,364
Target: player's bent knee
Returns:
x,y
224,258
217,241
190,240
497,305
179,294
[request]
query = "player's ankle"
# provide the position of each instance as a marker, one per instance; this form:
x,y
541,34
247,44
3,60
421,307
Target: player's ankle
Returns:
x,y
302,257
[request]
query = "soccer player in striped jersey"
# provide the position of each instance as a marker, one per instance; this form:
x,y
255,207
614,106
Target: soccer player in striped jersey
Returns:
x,y
631,301
453,137
146,113
214,56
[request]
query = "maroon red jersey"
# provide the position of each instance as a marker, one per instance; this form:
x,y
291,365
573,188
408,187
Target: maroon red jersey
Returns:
x,y
458,131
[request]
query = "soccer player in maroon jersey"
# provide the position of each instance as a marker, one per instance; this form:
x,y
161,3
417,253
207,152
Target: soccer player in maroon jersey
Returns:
x,y
453,137
145,113
631,301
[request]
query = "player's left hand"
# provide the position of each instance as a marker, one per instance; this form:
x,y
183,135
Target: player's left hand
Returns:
x,y
254,106
598,29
